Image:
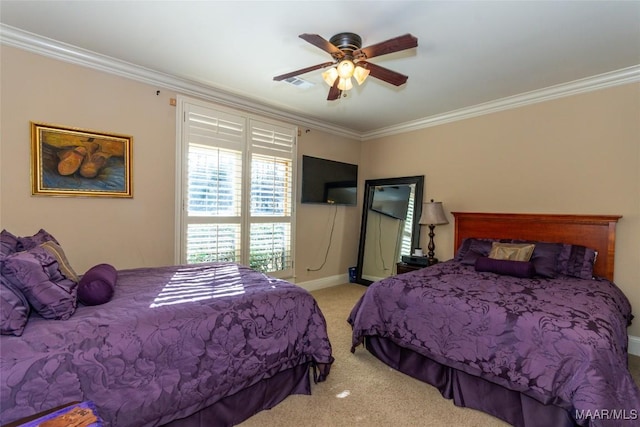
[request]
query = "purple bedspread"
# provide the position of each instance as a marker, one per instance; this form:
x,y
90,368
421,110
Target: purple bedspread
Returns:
x,y
172,341
561,341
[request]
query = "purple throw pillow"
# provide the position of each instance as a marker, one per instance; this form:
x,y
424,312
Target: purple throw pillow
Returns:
x,y
545,257
97,285
477,248
523,269
576,261
37,275
463,249
26,243
14,309
8,243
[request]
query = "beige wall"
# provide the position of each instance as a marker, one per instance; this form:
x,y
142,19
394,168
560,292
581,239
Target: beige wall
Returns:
x,y
579,154
123,232
134,232
314,222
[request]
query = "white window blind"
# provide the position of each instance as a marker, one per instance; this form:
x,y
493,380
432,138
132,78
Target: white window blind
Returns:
x,y
238,189
271,246
214,181
407,231
213,242
272,150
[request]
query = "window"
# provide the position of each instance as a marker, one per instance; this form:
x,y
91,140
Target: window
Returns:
x,y
407,231
236,189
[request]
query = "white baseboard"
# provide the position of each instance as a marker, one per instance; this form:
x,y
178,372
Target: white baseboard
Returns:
x,y
634,345
325,282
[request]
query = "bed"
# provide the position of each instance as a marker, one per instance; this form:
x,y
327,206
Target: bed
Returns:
x,y
187,345
546,349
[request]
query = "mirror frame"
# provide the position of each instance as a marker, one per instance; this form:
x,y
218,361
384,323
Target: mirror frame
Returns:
x,y
417,209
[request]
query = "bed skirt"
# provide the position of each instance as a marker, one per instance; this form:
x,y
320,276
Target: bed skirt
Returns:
x,y
470,391
266,394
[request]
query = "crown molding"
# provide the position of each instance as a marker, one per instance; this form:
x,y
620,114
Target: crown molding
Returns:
x,y
14,37
601,81
44,46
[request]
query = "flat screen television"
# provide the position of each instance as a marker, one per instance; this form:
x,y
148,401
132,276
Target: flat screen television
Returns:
x,y
392,200
329,182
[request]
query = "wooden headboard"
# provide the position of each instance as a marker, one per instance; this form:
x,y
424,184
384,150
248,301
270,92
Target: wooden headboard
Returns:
x,y
593,231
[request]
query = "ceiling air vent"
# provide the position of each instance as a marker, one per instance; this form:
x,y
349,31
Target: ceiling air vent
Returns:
x,y
296,81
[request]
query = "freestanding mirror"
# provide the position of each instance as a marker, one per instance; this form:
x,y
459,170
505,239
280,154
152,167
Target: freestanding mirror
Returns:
x,y
390,228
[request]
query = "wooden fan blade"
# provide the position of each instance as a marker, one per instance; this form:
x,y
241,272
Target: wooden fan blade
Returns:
x,y
302,71
323,44
334,92
396,44
384,74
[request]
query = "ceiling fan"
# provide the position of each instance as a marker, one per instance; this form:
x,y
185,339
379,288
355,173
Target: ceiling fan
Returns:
x,y
350,60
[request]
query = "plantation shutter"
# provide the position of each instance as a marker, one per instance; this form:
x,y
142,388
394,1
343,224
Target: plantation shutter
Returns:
x,y
238,190
407,231
214,185
272,150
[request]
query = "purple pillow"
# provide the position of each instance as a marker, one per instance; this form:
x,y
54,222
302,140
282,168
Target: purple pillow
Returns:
x,y
477,248
545,257
576,261
97,285
523,269
26,243
463,249
37,275
14,309
8,243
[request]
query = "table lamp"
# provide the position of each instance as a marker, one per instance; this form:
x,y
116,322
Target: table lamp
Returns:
x,y
432,215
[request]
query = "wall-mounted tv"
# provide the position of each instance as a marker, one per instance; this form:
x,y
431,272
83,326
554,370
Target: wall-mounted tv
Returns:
x,y
329,182
391,200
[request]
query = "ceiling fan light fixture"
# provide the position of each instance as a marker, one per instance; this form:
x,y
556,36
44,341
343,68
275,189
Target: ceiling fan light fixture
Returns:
x,y
360,74
330,76
345,84
345,69
350,59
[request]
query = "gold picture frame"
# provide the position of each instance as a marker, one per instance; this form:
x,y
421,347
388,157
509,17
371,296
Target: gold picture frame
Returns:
x,y
68,161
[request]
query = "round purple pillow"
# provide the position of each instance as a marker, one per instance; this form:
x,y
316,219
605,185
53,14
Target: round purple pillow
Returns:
x,y
97,285
522,269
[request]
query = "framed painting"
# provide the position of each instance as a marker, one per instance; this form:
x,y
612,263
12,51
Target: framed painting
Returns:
x,y
78,162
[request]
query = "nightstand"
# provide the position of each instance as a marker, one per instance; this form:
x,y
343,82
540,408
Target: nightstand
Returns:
x,y
403,267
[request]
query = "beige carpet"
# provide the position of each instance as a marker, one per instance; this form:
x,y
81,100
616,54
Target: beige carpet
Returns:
x,y
361,390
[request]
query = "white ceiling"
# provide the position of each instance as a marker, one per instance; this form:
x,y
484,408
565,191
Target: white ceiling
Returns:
x,y
468,53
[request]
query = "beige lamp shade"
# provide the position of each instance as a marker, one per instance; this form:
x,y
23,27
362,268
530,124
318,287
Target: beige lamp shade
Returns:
x,y
433,214
345,69
345,84
330,76
360,74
